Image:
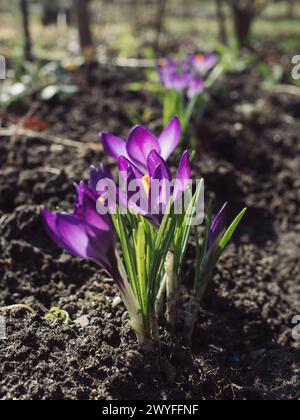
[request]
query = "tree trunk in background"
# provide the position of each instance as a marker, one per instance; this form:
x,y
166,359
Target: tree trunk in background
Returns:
x,y
26,31
53,9
84,29
244,13
291,9
222,21
50,11
242,19
160,19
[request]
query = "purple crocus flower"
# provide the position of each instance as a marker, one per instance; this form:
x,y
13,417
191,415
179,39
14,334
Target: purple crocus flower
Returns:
x,y
181,81
95,175
203,63
167,68
159,194
141,141
156,186
218,225
85,233
181,76
175,75
195,87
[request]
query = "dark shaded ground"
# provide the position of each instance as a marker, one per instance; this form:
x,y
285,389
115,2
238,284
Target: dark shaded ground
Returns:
x,y
243,347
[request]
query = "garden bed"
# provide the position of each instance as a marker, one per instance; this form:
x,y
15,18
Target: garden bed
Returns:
x,y
249,154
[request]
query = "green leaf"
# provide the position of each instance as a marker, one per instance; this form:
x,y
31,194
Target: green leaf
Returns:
x,y
145,86
184,229
211,259
126,244
141,261
56,313
208,222
173,104
202,248
162,245
230,231
189,112
68,90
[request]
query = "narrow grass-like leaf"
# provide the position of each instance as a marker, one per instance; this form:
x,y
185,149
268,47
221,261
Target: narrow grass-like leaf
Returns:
x,y
184,230
189,112
126,244
230,231
173,105
162,244
140,262
202,248
211,260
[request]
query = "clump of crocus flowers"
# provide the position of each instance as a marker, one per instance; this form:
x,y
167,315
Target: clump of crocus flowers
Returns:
x,y
185,83
153,225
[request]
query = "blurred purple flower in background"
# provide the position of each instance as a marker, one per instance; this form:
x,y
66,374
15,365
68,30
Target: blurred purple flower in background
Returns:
x,y
203,63
186,75
174,74
195,87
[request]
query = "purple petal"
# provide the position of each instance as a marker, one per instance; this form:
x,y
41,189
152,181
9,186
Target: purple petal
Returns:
x,y
140,143
167,69
204,63
96,175
218,225
153,161
49,220
83,240
170,138
126,166
183,175
72,231
94,219
113,146
180,82
84,192
78,205
92,238
128,173
196,86
85,233
160,192
160,188
184,170
157,167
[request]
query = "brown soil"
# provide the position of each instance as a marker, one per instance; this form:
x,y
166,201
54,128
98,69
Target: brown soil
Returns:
x,y
249,154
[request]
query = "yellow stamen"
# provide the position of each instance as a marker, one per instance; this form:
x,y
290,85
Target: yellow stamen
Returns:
x,y
163,62
200,57
101,200
146,183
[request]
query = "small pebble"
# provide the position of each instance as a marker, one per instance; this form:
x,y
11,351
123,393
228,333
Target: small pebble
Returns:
x,y
94,393
116,301
82,321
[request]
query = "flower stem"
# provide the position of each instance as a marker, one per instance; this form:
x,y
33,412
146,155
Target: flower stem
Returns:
x,y
159,301
191,315
172,290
